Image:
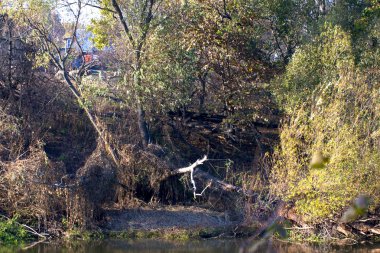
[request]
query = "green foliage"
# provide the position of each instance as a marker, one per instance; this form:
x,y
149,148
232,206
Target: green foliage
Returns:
x,y
302,236
168,76
323,61
301,77
11,232
42,59
329,147
75,234
345,13
100,30
216,57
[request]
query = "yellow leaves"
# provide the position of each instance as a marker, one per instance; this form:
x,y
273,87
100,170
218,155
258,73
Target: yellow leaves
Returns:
x,y
25,11
101,32
330,157
41,60
336,48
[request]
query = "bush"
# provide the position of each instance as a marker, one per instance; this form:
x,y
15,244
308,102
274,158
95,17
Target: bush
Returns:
x,y
340,121
11,232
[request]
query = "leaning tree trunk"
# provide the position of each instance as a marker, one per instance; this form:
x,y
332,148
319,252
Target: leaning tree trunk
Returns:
x,y
92,118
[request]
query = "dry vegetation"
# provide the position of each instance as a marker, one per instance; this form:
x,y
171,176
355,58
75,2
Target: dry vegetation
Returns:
x,y
209,81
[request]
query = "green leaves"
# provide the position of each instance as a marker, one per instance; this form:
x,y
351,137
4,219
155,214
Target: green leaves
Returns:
x,y
313,66
11,232
101,32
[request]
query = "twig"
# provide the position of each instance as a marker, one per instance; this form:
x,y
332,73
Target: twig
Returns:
x,y
32,231
369,219
200,194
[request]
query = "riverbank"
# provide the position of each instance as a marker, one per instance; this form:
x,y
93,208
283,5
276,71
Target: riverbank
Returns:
x,y
184,223
168,222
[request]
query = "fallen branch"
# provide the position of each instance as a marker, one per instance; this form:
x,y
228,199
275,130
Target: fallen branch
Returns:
x,y
365,228
300,228
34,232
191,170
28,229
206,177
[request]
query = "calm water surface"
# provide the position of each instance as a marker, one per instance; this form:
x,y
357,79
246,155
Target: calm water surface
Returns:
x,y
211,246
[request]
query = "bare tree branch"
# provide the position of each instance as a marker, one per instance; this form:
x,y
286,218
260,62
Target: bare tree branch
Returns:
x,y
123,22
189,168
101,8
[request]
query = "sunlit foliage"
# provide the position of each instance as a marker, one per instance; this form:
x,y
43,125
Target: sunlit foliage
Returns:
x,y
333,105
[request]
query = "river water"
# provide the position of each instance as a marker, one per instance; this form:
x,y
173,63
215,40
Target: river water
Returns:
x,y
209,246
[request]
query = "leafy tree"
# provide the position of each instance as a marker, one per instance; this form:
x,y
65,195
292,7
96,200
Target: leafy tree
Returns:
x,y
137,21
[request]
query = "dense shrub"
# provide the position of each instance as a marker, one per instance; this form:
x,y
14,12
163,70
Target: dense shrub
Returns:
x,y
334,113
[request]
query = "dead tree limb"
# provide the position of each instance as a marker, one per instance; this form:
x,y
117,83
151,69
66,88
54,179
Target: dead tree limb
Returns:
x,y
205,177
27,228
189,168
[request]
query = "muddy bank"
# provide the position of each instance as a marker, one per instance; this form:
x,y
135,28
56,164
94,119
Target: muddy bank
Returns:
x,y
173,222
168,217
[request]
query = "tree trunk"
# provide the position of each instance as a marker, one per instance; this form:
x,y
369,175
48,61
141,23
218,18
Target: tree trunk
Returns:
x,y
143,126
10,56
202,79
91,117
321,4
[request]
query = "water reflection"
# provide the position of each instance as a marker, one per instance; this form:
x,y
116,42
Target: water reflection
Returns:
x,y
296,248
209,246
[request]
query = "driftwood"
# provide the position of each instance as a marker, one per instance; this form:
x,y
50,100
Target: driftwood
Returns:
x,y
191,170
213,118
368,227
206,177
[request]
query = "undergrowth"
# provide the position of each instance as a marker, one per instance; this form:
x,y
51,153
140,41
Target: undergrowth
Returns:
x,y
13,233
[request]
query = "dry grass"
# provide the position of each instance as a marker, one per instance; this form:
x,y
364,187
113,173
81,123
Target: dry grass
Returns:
x,y
27,189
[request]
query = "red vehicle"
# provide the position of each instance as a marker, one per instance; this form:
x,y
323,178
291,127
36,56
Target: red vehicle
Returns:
x,y
87,58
